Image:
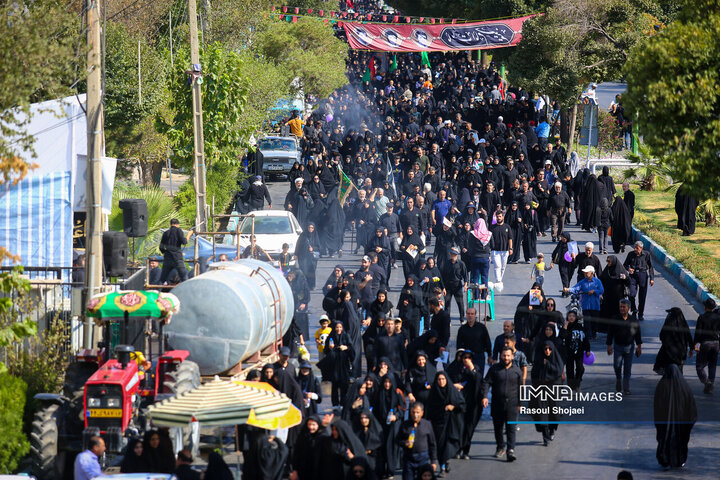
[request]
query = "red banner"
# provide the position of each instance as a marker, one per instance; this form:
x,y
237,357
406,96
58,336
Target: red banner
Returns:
x,y
428,38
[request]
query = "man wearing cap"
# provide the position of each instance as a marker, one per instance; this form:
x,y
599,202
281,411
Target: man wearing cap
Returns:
x,y
284,361
583,259
558,206
590,289
258,194
638,263
454,275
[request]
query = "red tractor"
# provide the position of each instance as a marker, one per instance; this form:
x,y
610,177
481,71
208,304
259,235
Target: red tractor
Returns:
x,y
111,400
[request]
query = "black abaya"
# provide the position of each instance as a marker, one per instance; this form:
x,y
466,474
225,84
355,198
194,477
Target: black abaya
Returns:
x,y
621,233
685,208
674,413
615,280
308,246
676,341
589,202
447,425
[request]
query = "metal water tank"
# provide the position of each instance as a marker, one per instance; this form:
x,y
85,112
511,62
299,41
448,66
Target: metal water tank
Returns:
x,y
230,312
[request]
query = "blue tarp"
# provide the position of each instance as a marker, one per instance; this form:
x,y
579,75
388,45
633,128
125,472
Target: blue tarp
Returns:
x,y
205,249
36,220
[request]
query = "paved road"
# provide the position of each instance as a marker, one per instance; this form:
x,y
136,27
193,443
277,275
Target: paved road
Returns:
x,y
579,451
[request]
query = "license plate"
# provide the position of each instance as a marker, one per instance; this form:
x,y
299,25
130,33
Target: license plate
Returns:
x,y
105,412
275,167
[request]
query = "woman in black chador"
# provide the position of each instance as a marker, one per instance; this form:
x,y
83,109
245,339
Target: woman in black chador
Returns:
x,y
674,413
445,409
547,370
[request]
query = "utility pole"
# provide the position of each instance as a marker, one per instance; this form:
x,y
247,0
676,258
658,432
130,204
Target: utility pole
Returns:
x,y
95,143
139,76
199,150
172,62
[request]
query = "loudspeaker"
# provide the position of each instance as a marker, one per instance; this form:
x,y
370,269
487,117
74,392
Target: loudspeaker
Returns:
x,y
135,216
115,247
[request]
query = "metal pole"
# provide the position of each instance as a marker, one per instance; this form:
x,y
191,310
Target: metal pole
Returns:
x,y
139,77
199,150
95,142
169,167
587,163
172,59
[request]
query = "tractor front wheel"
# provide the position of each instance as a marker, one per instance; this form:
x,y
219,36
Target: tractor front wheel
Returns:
x,y
48,461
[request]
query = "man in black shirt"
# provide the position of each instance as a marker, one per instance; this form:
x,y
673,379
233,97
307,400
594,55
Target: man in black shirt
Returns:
x,y
473,335
623,335
639,265
171,246
418,441
454,275
501,246
411,216
706,344
558,206
391,223
505,379
583,259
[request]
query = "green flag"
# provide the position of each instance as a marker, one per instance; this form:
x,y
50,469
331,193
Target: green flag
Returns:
x,y
425,59
393,64
346,185
367,76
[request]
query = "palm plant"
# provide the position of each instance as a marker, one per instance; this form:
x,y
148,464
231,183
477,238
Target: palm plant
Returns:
x,y
160,210
650,173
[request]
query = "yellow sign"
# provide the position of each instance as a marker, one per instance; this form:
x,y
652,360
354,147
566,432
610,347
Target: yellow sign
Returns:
x,y
105,412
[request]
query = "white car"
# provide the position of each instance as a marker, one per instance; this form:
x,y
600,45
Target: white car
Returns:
x,y
272,229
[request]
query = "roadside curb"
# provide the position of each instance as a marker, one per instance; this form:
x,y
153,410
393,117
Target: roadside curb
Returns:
x,y
696,287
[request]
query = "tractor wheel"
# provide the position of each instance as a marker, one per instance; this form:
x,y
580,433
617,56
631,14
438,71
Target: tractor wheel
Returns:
x,y
76,375
183,379
48,462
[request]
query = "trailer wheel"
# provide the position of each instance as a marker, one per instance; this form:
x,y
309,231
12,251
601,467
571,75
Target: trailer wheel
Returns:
x,y
48,462
183,379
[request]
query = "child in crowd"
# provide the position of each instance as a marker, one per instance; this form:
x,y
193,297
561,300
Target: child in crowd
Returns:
x,y
321,335
539,269
519,358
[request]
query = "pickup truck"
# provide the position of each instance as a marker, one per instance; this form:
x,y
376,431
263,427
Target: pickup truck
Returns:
x,y
279,154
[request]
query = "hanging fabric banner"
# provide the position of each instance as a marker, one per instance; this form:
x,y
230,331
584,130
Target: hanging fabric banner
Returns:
x,y
419,38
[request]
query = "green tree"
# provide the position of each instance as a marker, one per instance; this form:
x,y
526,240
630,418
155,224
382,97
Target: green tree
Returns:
x,y
37,53
224,96
309,50
470,10
128,118
222,181
267,84
576,42
13,443
161,210
674,86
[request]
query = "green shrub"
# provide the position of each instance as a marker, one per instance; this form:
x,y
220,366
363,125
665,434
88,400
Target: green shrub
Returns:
x,y
14,444
221,183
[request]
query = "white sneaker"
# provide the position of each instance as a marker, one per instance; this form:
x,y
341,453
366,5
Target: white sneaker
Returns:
x,y
499,287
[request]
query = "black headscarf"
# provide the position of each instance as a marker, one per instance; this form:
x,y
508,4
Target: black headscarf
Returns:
x,y
674,413
676,340
547,369
372,439
217,469
160,459
266,459
132,463
614,269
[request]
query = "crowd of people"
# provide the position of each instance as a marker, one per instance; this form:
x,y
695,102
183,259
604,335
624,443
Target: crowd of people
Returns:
x,y
448,171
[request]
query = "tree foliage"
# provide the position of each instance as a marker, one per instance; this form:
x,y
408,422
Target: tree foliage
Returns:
x,y
469,9
38,49
128,120
160,211
222,180
224,96
674,85
309,50
13,443
576,42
